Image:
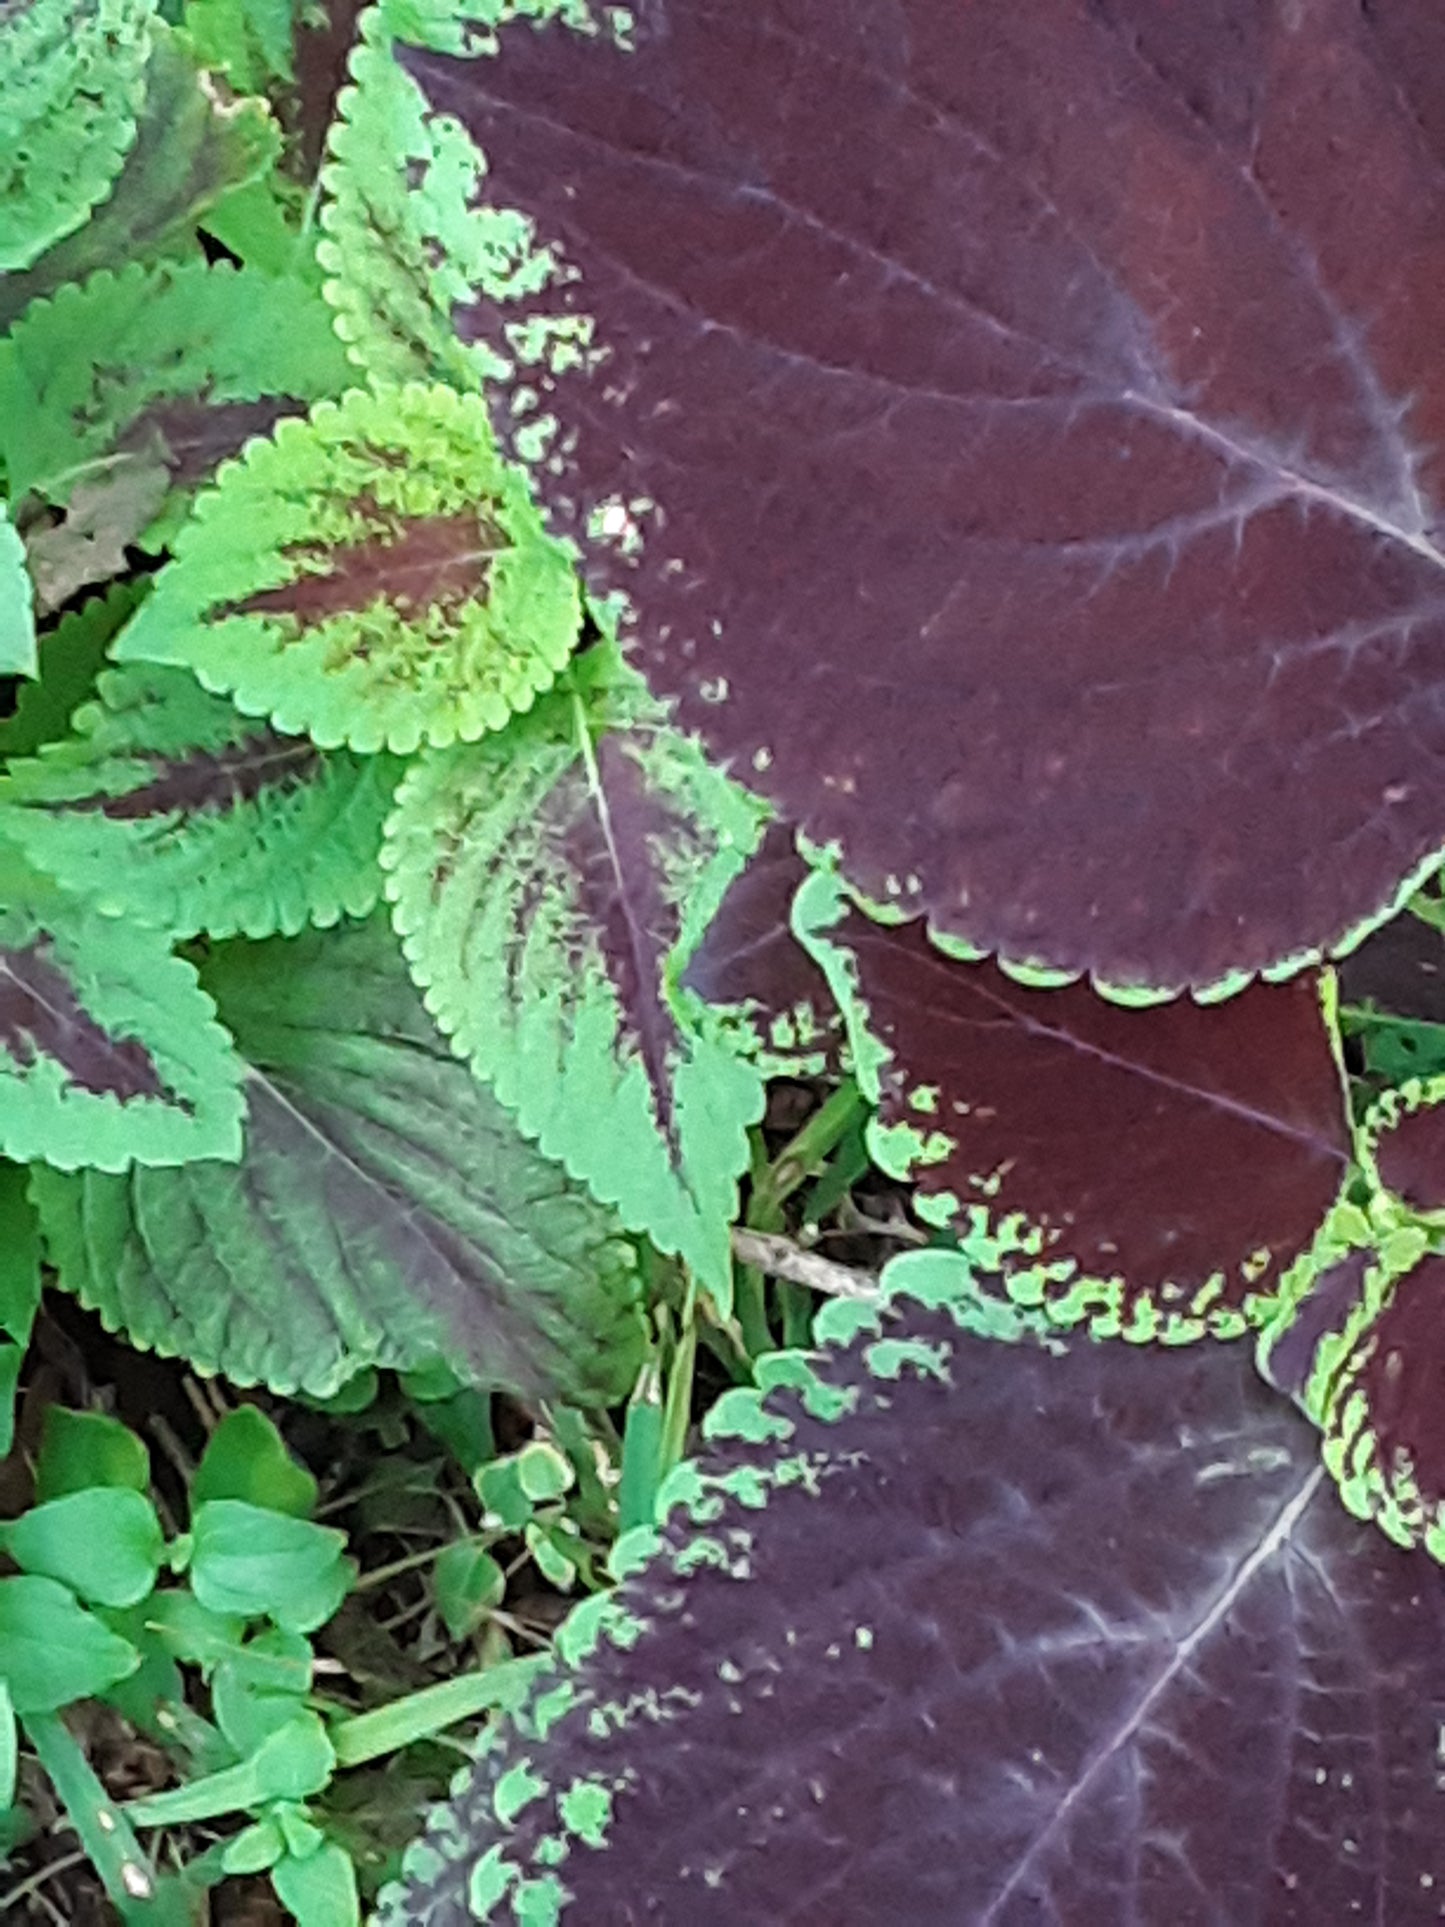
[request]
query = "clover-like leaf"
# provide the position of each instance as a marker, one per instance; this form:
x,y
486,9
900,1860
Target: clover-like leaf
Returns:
x,y
1154,1171
178,363
72,79
549,884
373,576
110,1053
1018,434
386,1209
171,808
949,1630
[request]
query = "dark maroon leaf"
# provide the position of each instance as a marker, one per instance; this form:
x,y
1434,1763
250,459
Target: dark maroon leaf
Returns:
x,y
1075,1641
1392,1001
42,1017
323,45
1157,1170
1408,1147
750,959
1290,1356
193,437
1020,433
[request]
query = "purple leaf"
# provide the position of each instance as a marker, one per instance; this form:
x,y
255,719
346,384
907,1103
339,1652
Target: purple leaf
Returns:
x,y
1019,436
1036,1639
1155,1170
750,960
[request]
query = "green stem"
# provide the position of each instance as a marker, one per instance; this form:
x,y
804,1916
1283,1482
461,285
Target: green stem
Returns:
x,y
421,1715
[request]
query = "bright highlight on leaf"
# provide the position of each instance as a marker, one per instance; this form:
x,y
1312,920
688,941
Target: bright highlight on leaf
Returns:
x,y
374,576
71,84
385,1211
171,808
18,654
549,885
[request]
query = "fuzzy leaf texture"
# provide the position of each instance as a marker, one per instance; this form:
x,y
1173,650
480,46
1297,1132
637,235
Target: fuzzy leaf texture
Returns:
x,y
110,1054
373,576
386,1209
175,365
192,147
72,80
1018,433
548,885
948,1631
171,808
1155,1172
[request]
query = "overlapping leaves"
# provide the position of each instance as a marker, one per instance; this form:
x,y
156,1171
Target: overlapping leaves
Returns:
x,y
550,884
1028,463
373,576
385,1209
947,1631
170,808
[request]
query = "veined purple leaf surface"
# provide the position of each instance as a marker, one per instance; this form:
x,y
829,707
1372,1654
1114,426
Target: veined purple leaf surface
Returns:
x,y
1155,1171
963,1632
1018,433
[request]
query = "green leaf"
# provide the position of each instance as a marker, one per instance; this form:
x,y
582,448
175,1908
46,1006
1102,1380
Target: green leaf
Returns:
x,y
262,1564
52,1650
105,1544
404,242
543,1472
260,1688
109,1050
82,1450
9,1749
374,576
250,41
192,147
320,1890
291,1764
385,1210
71,86
140,1898
182,1628
549,887
469,1584
72,655
253,1849
176,363
18,653
171,808
246,1458
19,1291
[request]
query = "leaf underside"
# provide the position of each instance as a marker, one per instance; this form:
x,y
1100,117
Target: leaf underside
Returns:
x,y
546,884
1153,1171
1052,521
981,1637
385,1209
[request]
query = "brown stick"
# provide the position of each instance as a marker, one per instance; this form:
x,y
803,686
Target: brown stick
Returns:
x,y
781,1258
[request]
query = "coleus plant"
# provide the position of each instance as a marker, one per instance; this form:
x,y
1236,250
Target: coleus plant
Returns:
x,y
709,543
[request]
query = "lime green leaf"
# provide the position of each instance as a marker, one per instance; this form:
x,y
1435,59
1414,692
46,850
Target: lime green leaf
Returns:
x,y
18,654
104,1543
468,1584
246,1458
262,1564
52,1650
404,242
19,1290
374,576
171,808
544,1472
250,41
192,147
80,1450
386,1209
549,886
109,1050
260,1688
181,1627
253,1849
72,655
71,86
320,1890
9,1749
177,363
